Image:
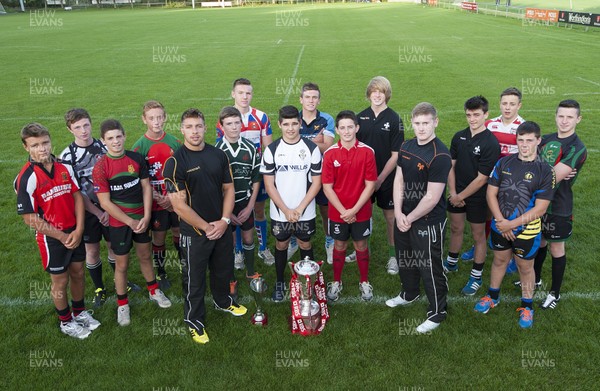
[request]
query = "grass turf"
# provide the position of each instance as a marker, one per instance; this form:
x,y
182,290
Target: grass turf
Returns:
x,y
110,62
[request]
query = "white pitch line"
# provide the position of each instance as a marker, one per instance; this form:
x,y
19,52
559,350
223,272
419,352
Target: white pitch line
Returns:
x,y
287,96
581,93
589,81
6,302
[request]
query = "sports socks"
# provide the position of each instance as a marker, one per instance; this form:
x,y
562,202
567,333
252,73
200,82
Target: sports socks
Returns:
x,y
64,315
339,259
158,255
249,258
494,293
362,259
477,270
111,262
540,257
122,299
238,240
558,271
152,286
526,303
78,306
452,258
280,262
261,233
95,271
306,253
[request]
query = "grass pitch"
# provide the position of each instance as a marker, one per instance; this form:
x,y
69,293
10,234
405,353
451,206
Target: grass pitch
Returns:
x,y
112,61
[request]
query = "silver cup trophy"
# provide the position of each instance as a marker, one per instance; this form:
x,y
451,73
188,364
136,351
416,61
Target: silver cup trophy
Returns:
x,y
308,299
258,287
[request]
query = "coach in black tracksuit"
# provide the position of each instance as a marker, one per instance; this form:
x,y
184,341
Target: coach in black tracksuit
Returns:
x,y
420,210
199,182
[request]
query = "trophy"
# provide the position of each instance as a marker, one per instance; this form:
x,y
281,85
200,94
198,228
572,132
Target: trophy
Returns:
x,y
258,287
308,315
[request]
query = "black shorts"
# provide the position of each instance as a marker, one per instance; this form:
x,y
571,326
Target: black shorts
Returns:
x,y
303,230
93,231
163,220
475,208
523,248
384,198
360,230
557,228
262,193
123,238
246,225
56,258
321,199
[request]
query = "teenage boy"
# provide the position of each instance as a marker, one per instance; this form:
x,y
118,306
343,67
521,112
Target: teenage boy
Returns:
x,y
83,154
156,146
291,168
349,175
566,152
256,127
123,188
50,202
474,152
200,186
245,168
520,189
504,127
318,127
382,129
420,209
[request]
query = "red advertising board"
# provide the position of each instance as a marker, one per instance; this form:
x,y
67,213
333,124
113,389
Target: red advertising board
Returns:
x,y
541,14
469,5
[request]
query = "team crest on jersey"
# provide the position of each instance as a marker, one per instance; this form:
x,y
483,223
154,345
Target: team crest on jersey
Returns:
x,y
386,126
302,154
276,229
336,229
552,152
528,176
477,150
317,127
64,177
420,166
130,169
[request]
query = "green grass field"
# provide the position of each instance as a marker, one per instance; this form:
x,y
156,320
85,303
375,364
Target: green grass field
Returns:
x,y
112,61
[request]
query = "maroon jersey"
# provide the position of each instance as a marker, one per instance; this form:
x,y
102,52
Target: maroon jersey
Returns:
x,y
48,194
121,177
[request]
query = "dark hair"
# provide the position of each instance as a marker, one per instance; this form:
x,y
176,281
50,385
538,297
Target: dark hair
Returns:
x,y
512,91
287,112
477,102
33,129
529,127
346,114
310,87
241,82
424,108
110,124
192,113
75,115
229,111
569,104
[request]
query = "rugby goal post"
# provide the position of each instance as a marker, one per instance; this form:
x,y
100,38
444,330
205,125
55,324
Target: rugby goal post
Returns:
x,y
2,10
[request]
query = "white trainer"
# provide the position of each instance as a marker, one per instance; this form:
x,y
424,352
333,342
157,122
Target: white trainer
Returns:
x,y
238,260
329,251
392,266
74,329
123,318
351,257
426,327
333,293
86,320
366,291
160,298
399,300
267,257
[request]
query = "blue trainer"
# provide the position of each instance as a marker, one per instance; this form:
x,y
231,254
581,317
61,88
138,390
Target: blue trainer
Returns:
x,y
512,267
468,255
485,304
448,267
472,286
525,317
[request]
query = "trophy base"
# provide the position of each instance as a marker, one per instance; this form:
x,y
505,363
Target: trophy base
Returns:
x,y
260,320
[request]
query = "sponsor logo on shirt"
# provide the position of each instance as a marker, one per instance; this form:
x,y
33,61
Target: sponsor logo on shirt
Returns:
x,y
336,163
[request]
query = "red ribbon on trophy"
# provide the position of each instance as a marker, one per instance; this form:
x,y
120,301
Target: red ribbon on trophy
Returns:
x,y
308,316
